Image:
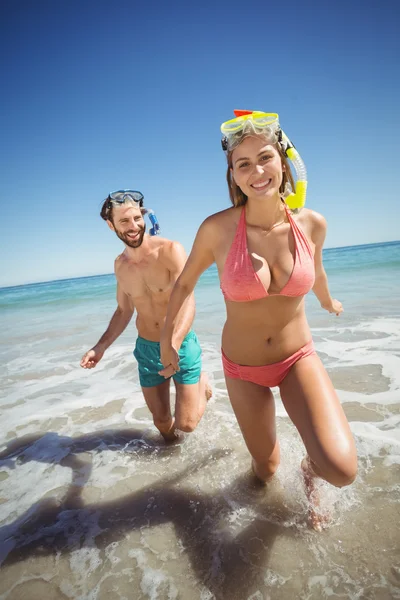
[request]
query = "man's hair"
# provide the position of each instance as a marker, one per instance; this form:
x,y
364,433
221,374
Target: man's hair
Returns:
x,y
106,212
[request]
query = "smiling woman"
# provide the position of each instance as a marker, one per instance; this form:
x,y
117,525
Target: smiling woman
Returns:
x,y
266,125
268,259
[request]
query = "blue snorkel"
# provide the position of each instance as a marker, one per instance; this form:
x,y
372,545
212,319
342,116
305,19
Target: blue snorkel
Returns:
x,y
155,230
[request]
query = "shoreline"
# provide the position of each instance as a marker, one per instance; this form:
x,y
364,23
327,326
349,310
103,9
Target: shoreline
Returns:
x,y
91,276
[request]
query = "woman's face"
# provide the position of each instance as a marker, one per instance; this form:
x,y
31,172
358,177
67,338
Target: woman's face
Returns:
x,y
257,167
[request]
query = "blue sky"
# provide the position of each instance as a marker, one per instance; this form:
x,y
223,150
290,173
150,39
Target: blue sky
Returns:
x,y
101,95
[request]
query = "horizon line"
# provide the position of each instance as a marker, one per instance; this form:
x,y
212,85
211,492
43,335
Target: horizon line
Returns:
x,y
5,287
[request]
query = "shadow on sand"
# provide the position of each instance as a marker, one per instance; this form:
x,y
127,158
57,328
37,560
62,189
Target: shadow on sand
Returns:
x,y
229,566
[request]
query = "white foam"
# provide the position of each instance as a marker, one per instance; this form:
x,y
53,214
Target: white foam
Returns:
x,y
154,582
23,491
375,440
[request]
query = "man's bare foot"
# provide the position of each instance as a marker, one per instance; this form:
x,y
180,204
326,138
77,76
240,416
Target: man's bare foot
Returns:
x,y
170,434
205,393
170,437
261,478
318,519
205,387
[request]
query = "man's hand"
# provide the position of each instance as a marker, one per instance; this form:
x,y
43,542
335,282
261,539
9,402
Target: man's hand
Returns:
x,y
334,307
92,357
169,360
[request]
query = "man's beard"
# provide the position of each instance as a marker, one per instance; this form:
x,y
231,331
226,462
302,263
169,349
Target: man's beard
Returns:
x,y
132,243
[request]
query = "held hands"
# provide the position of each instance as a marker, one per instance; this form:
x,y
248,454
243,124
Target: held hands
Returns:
x,y
91,358
169,359
334,307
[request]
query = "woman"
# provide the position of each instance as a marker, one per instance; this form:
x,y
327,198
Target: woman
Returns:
x,y
268,258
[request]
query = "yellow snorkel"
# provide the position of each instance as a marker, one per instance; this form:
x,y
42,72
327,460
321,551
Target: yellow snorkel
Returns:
x,y
267,124
296,199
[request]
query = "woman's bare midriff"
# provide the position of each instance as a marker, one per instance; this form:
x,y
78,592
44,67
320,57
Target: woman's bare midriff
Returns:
x,y
264,331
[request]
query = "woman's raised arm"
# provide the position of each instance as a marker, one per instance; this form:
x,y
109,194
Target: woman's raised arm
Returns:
x,y
200,258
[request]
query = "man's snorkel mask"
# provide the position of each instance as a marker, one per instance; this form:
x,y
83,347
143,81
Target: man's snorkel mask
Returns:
x,y
136,198
248,122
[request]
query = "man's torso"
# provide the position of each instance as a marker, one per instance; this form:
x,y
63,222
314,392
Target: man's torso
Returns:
x,y
148,284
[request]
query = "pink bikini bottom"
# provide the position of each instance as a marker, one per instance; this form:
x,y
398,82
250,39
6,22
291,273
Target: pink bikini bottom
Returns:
x,y
266,375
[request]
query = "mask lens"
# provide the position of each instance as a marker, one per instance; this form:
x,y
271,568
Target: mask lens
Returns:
x,y
233,125
264,120
257,119
122,195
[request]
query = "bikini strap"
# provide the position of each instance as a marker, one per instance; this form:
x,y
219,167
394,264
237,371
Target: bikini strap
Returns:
x,y
298,232
241,234
287,210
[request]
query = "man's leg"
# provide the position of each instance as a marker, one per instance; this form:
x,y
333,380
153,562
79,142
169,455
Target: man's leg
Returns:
x,y
192,388
157,399
191,401
154,387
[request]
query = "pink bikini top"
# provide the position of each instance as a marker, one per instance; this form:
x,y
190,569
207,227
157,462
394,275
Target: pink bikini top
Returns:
x,y
239,280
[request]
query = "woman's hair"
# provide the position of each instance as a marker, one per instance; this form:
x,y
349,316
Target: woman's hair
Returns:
x,y
238,198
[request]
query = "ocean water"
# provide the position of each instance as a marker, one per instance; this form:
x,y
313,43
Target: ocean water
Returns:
x,y
94,505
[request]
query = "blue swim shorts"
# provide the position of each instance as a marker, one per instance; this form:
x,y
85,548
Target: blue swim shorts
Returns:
x,y
147,355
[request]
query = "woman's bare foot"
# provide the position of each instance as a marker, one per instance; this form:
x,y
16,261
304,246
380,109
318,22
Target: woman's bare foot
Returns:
x,y
318,519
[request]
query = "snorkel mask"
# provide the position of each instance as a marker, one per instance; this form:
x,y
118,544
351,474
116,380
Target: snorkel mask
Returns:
x,y
122,196
248,122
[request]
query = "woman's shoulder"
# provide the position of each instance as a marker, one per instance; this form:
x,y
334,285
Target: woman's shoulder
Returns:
x,y
221,218
311,218
314,223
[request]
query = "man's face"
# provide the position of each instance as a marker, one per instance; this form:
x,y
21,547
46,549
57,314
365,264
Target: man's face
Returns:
x,y
128,224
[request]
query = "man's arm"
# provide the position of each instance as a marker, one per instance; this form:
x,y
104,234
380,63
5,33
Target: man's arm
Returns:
x,y
321,289
118,323
174,258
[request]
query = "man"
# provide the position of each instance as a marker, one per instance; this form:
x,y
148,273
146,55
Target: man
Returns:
x,y
146,272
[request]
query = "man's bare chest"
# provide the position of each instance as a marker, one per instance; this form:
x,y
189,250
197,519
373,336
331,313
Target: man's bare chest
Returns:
x,y
151,279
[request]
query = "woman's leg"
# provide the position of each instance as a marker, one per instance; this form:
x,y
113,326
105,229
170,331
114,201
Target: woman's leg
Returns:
x,y
312,404
254,407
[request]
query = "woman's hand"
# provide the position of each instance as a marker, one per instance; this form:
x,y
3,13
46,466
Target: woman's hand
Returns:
x,y
333,307
169,359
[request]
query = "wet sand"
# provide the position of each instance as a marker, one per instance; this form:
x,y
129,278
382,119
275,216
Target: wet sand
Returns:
x,y
189,521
